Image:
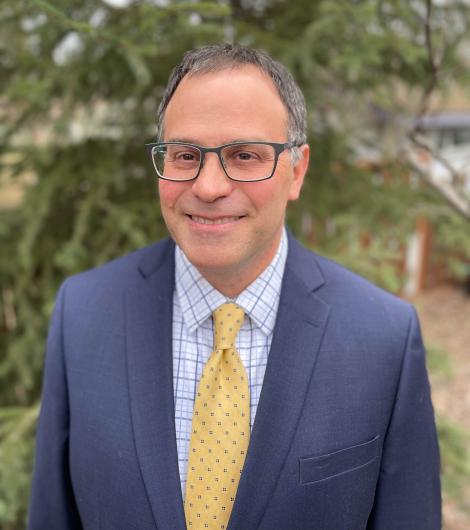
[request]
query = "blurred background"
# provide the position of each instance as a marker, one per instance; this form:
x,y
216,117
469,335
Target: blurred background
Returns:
x,y
387,194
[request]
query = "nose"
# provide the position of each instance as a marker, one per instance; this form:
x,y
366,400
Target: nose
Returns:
x,y
212,182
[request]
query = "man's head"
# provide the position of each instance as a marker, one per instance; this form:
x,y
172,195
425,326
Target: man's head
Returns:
x,y
221,57
230,230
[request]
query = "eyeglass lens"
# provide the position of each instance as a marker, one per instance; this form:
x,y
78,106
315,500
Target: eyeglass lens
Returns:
x,y
243,162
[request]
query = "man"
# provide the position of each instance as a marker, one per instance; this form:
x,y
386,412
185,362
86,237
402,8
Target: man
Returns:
x,y
313,409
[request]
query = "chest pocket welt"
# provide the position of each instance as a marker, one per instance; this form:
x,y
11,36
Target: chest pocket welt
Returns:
x,y
316,468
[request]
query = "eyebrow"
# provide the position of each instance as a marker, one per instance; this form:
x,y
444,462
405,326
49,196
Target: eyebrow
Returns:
x,y
236,140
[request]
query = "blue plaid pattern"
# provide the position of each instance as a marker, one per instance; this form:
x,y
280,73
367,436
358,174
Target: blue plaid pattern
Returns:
x,y
194,301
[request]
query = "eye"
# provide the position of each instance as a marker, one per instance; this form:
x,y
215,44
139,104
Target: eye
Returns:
x,y
185,156
249,155
242,154
245,155
181,155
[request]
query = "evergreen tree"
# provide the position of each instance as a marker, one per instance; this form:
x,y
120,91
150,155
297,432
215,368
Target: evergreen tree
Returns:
x,y
80,83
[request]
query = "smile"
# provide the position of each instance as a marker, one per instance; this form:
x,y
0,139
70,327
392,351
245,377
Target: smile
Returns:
x,y
218,221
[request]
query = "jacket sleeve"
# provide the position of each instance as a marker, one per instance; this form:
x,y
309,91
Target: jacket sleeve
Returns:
x,y
408,494
52,503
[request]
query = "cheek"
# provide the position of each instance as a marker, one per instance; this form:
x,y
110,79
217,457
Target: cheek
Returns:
x,y
268,204
271,195
169,193
259,194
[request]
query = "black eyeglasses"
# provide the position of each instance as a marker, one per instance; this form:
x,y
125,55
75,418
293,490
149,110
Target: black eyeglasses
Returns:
x,y
241,161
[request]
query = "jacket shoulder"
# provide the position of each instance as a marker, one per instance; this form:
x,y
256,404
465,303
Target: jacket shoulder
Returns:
x,y
354,287
364,315
122,272
351,297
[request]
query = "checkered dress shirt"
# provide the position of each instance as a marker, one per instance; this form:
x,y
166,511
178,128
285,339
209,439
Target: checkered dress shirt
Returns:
x,y
194,300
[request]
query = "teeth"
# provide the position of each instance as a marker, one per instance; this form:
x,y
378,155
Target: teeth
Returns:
x,y
220,221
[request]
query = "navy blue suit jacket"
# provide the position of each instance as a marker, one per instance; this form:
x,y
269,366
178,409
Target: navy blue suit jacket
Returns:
x,y
344,436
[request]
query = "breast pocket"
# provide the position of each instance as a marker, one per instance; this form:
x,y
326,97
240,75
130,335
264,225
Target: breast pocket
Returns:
x,y
316,468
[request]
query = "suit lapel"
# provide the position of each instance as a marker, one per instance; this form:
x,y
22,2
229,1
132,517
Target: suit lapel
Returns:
x,y
300,325
150,378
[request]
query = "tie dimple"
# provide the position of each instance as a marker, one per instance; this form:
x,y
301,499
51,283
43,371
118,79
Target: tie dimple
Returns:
x,y
220,428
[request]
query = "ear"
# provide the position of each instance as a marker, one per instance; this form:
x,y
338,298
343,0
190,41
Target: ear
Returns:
x,y
298,172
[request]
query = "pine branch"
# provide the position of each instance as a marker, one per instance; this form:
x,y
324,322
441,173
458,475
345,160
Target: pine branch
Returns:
x,y
453,192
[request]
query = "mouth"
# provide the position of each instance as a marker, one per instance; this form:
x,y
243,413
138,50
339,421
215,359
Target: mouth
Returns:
x,y
215,221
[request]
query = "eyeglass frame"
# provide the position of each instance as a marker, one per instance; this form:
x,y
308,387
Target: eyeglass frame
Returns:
x,y
279,148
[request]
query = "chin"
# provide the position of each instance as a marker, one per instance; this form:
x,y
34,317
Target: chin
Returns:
x,y
204,262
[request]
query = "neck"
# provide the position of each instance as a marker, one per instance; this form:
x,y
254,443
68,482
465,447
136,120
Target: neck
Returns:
x,y
230,285
231,282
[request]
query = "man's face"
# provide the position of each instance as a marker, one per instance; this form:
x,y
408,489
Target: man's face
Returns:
x,y
229,229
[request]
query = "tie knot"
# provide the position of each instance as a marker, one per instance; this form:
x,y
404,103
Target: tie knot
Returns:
x,y
228,319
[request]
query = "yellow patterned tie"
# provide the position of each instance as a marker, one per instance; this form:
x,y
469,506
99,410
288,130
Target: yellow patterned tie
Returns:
x,y
220,428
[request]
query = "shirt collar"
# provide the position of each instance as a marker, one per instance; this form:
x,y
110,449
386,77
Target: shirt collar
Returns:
x,y
260,300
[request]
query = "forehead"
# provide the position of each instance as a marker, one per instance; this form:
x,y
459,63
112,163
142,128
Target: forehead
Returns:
x,y
235,103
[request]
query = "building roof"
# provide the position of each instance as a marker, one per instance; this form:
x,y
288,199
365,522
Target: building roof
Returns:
x,y
445,120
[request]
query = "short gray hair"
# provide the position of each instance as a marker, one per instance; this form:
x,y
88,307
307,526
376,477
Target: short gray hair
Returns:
x,y
218,57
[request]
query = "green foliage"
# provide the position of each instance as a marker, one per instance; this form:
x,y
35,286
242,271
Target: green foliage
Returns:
x,y
79,88
454,440
16,431
439,363
451,240
455,455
